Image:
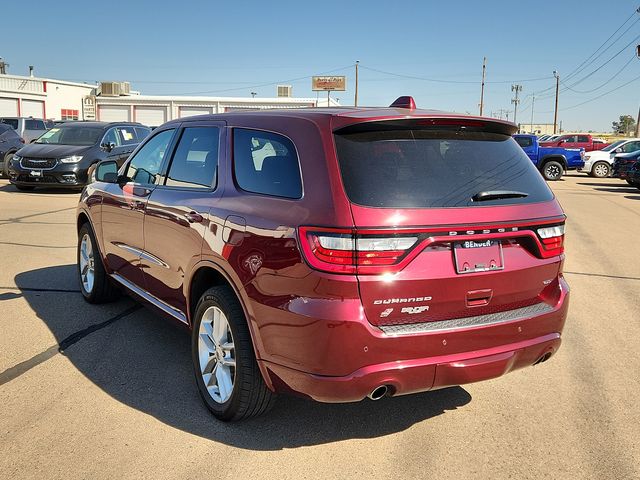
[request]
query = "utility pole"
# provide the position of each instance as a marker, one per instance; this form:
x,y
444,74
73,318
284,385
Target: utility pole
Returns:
x,y
355,102
484,71
515,101
638,119
3,66
555,115
533,104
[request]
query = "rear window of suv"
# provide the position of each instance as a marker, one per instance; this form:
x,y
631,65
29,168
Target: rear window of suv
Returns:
x,y
435,167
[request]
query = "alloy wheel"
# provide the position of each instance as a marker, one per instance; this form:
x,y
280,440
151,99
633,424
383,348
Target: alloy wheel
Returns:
x,y
601,170
216,353
87,265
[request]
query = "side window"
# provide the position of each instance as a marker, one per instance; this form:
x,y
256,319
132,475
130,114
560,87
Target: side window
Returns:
x,y
266,163
145,165
111,137
128,135
631,147
583,139
196,159
34,125
524,142
142,133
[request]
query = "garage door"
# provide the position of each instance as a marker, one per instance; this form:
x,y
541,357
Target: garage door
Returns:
x,y
151,116
190,111
32,108
113,113
8,107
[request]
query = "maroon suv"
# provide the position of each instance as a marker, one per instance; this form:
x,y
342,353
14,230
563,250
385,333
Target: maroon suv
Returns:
x,y
333,253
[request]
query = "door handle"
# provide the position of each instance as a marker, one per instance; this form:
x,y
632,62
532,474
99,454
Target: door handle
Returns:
x,y
194,217
136,205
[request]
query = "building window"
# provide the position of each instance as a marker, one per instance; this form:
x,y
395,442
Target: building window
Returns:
x,y
68,114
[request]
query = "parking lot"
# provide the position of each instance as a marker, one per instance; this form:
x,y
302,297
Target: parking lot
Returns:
x,y
107,391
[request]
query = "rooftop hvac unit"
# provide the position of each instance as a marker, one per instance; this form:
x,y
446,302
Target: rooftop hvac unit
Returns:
x,y
285,90
110,89
125,88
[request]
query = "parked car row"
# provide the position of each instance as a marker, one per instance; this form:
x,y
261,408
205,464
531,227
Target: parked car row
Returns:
x,y
600,163
584,141
66,155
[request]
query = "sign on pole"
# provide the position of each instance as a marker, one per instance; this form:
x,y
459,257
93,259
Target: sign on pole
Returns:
x,y
329,83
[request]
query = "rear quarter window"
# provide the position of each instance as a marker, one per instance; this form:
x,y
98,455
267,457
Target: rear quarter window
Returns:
x,y
524,142
266,163
435,168
34,125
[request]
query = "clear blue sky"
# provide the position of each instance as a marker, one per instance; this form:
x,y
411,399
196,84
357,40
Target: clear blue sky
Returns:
x,y
232,48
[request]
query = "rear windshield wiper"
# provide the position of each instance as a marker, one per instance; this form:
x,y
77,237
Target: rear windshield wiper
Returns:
x,y
497,194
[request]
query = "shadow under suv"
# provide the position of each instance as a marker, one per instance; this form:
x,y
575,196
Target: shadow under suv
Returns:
x,y
66,155
333,253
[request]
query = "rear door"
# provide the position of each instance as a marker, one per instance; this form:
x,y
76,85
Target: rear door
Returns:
x,y
446,221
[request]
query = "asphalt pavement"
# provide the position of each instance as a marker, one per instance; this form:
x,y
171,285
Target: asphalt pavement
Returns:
x,y
107,391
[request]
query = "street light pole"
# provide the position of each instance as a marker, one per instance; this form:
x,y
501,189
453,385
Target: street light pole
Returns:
x,y
555,115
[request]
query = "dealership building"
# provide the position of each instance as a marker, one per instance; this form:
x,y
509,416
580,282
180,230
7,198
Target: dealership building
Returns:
x,y
30,96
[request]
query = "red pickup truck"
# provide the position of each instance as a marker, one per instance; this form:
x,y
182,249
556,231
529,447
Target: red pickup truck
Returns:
x,y
577,140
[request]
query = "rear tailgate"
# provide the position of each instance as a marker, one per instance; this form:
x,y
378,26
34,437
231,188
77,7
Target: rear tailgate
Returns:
x,y
460,211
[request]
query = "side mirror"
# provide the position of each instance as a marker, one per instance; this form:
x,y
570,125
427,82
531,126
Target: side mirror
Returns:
x,y
618,150
107,172
108,146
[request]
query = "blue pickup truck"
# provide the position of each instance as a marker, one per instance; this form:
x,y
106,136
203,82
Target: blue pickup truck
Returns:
x,y
551,161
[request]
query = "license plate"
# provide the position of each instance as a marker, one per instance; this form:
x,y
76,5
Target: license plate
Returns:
x,y
478,256
35,173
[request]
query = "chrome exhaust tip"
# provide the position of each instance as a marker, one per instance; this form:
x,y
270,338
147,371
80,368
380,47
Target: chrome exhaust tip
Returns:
x,y
378,392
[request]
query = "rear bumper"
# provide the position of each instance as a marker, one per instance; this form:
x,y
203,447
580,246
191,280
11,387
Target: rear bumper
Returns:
x,y
417,375
508,346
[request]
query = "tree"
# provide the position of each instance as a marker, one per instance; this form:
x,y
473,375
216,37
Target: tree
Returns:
x,y
626,125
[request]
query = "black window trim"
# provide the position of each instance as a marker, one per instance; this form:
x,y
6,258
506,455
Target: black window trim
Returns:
x,y
176,141
233,164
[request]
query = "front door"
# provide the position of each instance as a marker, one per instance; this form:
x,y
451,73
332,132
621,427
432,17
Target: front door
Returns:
x,y
124,205
177,213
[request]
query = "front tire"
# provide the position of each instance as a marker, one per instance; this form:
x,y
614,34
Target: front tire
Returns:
x,y
227,374
601,170
95,285
5,164
552,170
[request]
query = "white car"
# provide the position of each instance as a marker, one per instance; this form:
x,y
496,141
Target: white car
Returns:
x,y
598,163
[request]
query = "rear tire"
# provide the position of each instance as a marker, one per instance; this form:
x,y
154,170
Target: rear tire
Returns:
x,y
552,170
227,374
601,170
95,285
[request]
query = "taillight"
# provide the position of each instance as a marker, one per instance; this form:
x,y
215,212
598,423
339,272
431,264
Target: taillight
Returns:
x,y
552,239
347,251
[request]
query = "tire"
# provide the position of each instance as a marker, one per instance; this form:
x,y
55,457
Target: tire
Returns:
x,y
5,164
223,356
25,188
600,170
552,170
628,181
95,285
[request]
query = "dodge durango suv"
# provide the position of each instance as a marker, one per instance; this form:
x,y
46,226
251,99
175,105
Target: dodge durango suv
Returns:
x,y
333,253
66,155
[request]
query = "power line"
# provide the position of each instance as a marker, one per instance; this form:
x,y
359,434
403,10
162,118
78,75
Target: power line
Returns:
x,y
580,67
599,96
613,77
438,80
290,80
